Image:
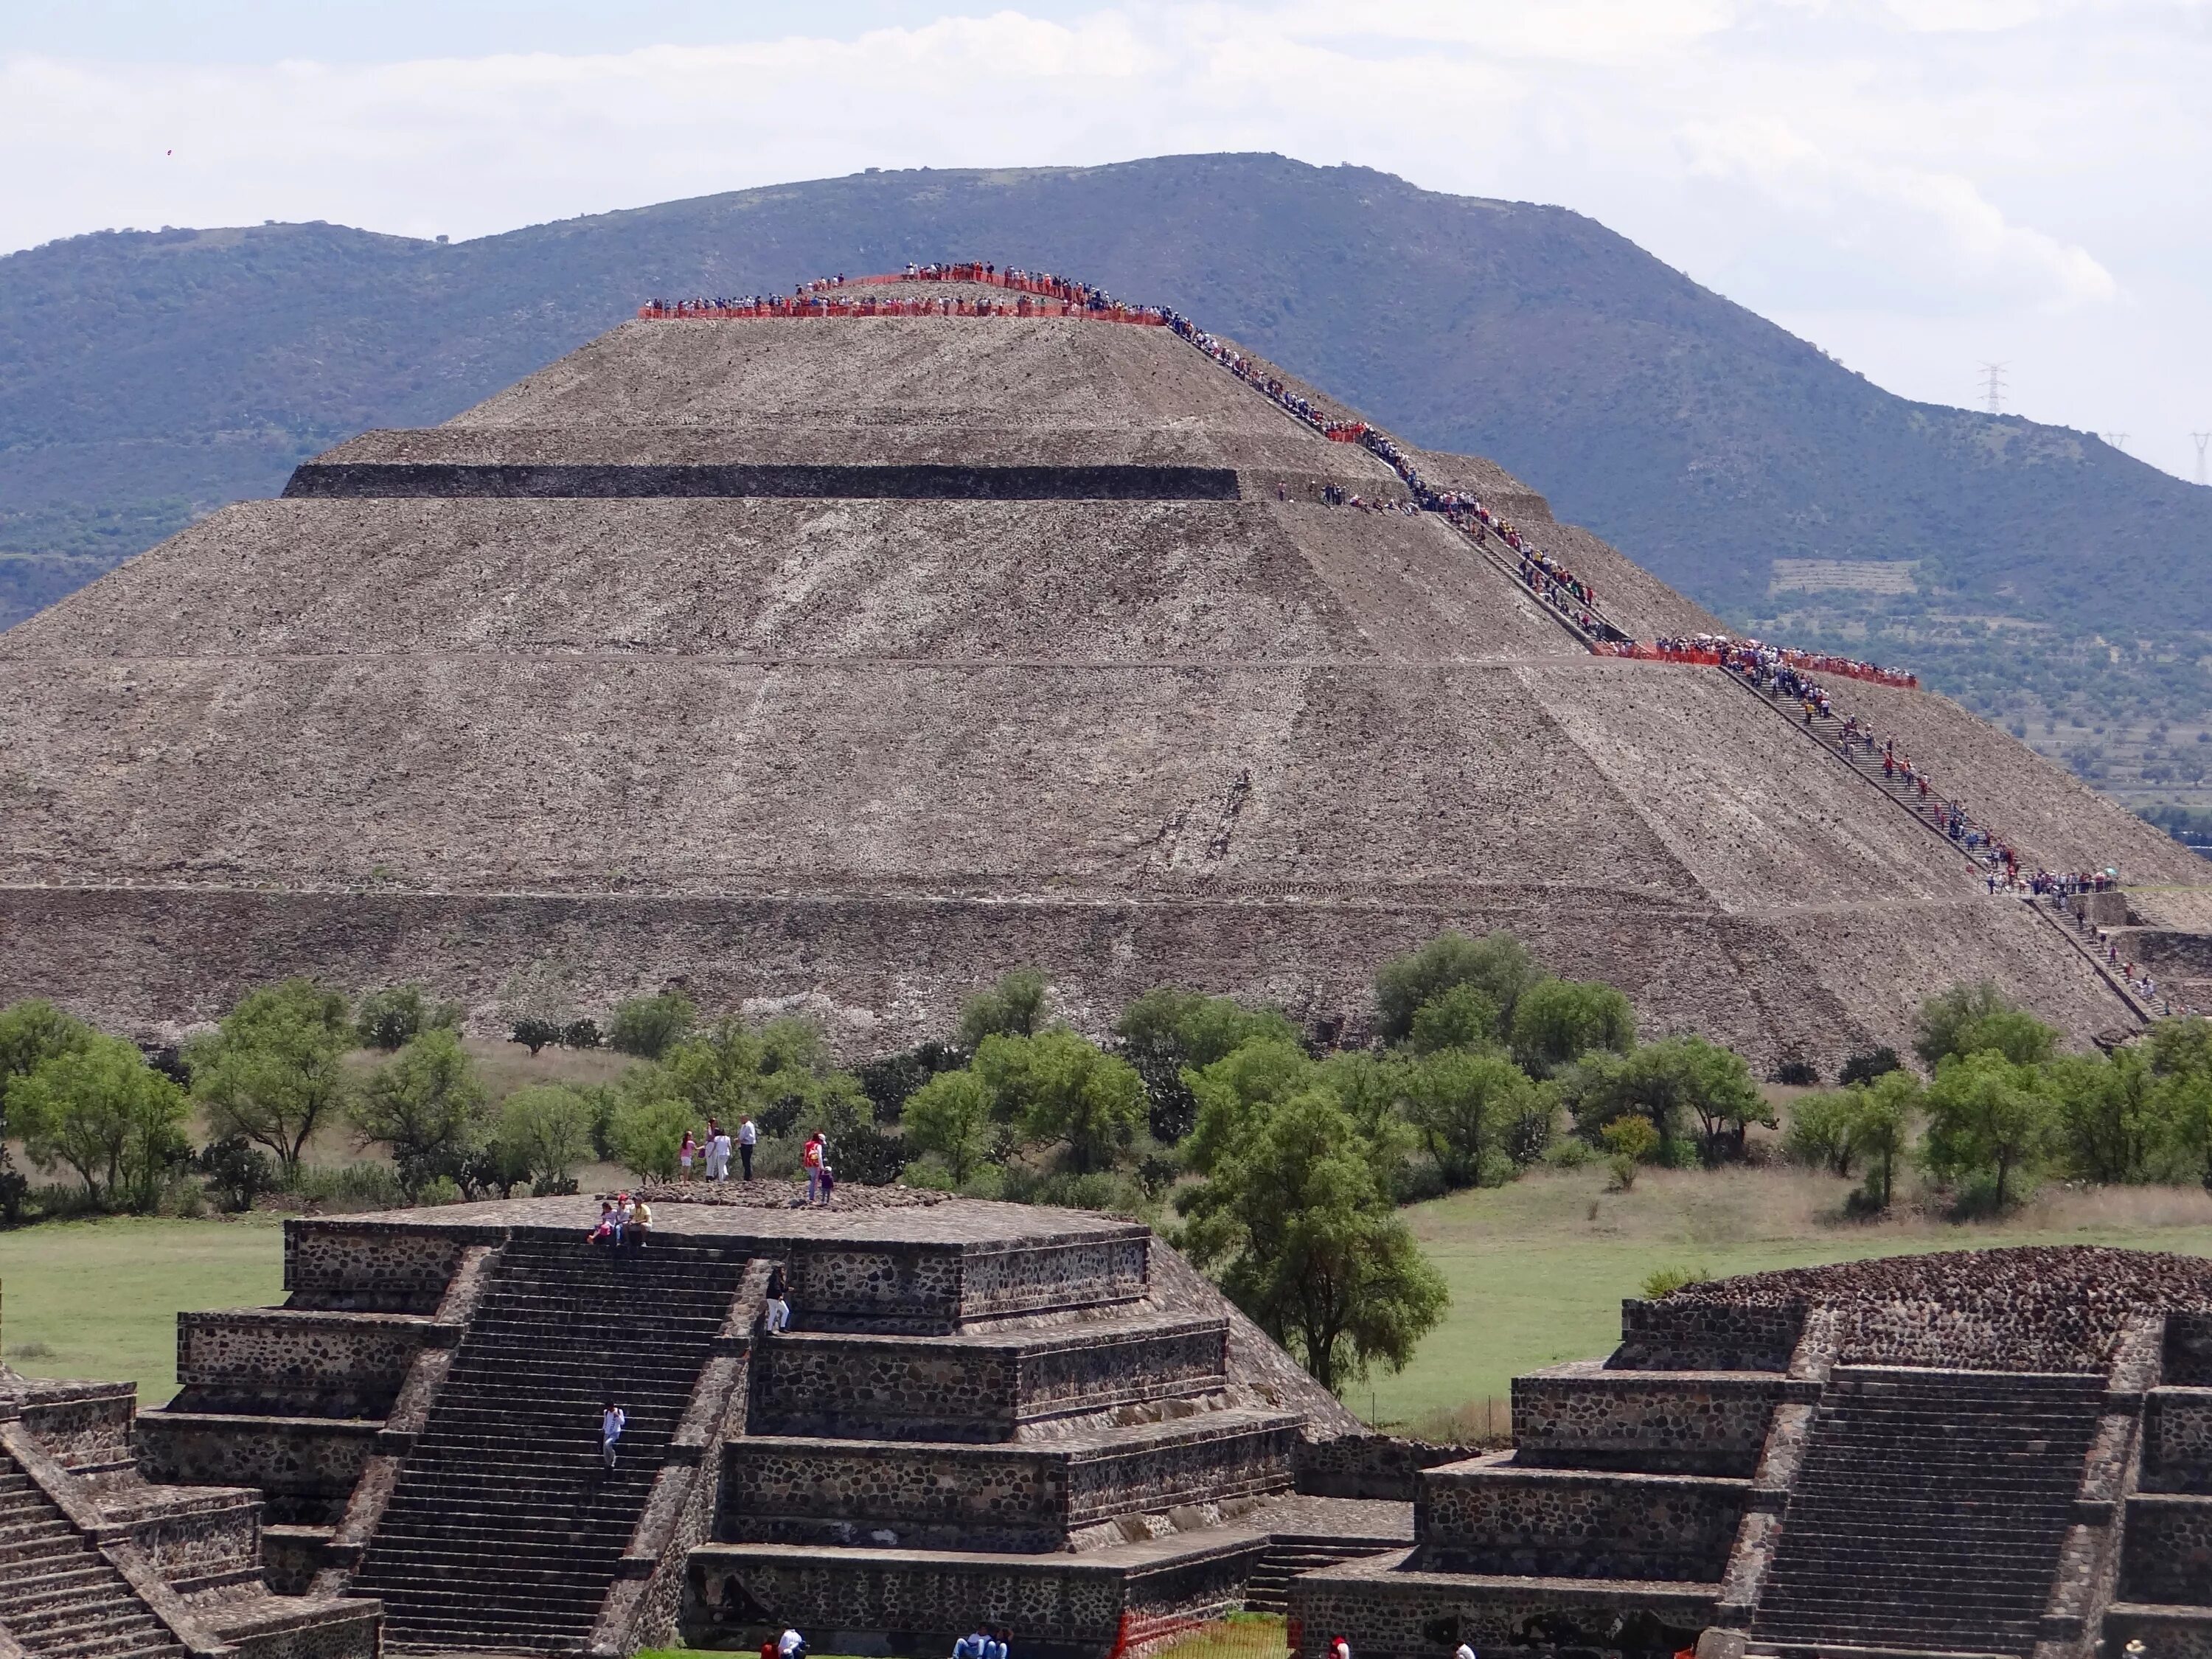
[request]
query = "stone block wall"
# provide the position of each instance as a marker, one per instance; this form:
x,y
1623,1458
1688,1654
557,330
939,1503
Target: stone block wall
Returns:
x,y
1670,1335
1486,1516
305,1467
2188,1359
2167,1632
1199,1462
1584,1415
82,1425
2177,1440
999,1281
867,1601
1391,1612
929,1497
1380,1466
368,1267
902,1387
182,1538
992,1498
281,1359
2168,1556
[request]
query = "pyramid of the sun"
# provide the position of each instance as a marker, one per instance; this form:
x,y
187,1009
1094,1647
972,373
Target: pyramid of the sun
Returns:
x,y
856,660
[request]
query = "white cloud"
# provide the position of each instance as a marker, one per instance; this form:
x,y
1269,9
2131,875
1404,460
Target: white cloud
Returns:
x,y
1967,165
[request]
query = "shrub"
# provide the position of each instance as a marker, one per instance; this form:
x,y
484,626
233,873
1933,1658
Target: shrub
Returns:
x,y
1866,1067
391,1019
649,1027
1629,1140
1498,965
236,1171
1557,1021
1462,1018
1665,1281
1016,1006
544,1133
581,1034
647,1133
1796,1071
890,1081
534,1034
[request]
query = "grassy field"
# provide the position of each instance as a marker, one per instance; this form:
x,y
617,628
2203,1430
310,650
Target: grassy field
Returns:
x,y
100,1299
1537,1270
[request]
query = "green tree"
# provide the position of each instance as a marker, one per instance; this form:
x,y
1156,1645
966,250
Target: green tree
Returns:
x,y
2018,1036
33,1032
102,1111
1168,1031
1557,1021
1461,1102
1990,1115
1303,1236
952,1117
1015,1005
1883,1115
778,1072
542,1133
1671,1083
1057,1087
272,1071
1942,1025
2110,1114
1629,1140
426,1107
1236,1091
1820,1131
646,1134
1497,964
649,1026
1464,1017
391,1018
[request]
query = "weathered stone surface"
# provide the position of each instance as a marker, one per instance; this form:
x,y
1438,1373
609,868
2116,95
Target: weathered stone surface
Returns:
x,y
1288,739
1587,1415
1491,1514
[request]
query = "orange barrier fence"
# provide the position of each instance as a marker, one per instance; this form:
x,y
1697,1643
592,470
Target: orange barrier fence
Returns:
x,y
1643,652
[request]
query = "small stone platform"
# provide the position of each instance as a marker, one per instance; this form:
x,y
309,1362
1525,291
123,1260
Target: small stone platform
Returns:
x,y
2002,1452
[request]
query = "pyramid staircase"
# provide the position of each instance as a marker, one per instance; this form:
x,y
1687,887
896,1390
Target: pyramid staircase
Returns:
x,y
506,1530
60,1598
1930,1511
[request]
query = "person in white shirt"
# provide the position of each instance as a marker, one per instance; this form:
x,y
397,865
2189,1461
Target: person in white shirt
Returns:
x,y
1464,1652
792,1645
612,1421
722,1155
747,1137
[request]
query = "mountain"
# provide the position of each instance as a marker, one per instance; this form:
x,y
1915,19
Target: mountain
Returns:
x,y
2035,572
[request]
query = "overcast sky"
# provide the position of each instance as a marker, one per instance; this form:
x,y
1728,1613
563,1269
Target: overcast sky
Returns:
x,y
1919,187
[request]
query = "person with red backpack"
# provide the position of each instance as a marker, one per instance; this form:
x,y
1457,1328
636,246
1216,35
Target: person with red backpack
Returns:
x,y
812,1160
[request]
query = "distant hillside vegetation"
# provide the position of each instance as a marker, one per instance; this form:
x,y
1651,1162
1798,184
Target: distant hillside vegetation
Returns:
x,y
147,378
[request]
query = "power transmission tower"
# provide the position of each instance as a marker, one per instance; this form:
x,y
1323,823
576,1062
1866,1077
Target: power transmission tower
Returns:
x,y
2203,438
2118,440
1993,385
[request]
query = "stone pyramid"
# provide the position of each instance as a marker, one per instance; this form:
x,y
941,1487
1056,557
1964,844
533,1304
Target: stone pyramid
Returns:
x,y
847,662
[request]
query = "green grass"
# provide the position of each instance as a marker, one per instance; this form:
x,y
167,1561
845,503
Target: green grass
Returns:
x,y
100,1299
1537,1270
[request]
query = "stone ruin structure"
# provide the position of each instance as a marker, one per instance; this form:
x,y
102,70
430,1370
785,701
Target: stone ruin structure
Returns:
x,y
96,1562
1993,1452
982,1411
845,663
1044,1420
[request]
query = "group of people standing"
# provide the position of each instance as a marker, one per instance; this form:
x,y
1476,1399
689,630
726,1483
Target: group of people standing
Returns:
x,y
715,1148
716,1151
